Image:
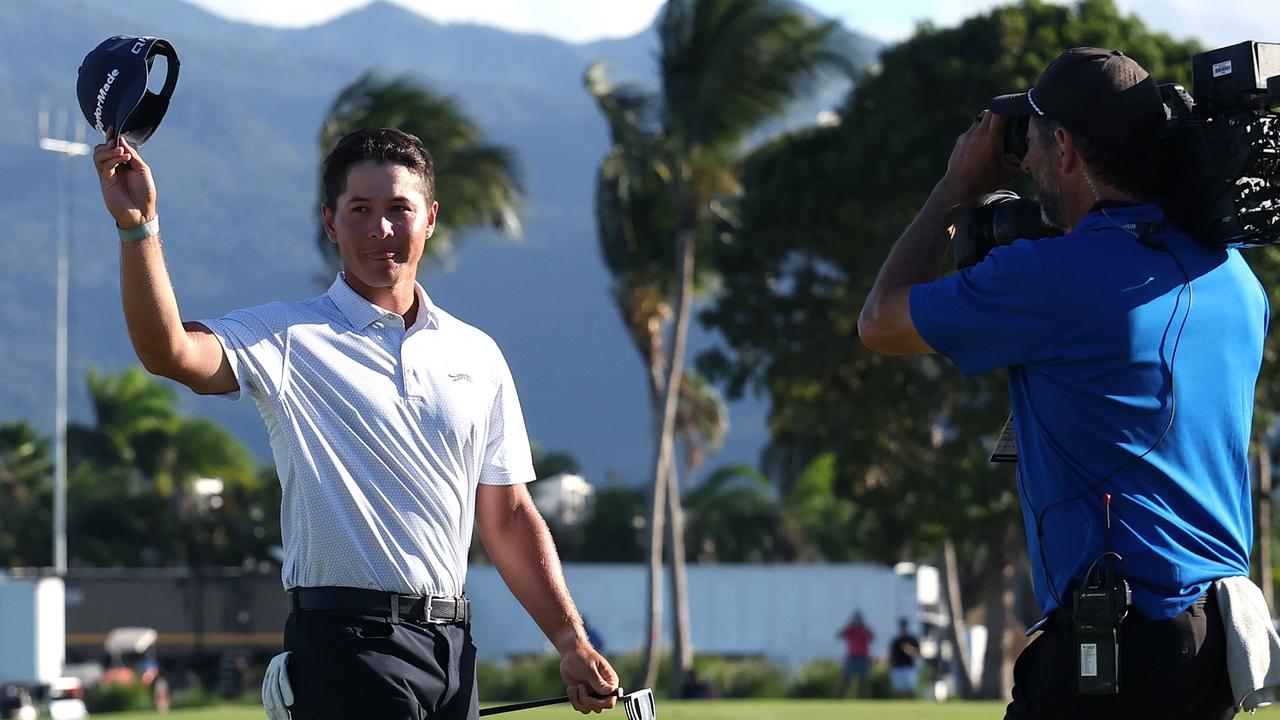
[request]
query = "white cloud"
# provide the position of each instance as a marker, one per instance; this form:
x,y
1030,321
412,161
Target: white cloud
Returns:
x,y
573,20
582,20
281,13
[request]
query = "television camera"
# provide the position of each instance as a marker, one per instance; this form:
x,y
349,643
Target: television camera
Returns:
x,y
1220,146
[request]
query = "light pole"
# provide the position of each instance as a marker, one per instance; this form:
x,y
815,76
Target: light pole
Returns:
x,y
67,149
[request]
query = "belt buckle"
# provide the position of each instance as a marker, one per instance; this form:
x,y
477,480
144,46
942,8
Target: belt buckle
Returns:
x,y
453,618
429,612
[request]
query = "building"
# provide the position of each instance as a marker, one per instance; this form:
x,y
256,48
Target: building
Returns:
x,y
563,499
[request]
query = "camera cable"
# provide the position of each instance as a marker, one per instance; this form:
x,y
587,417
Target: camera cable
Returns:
x,y
1148,238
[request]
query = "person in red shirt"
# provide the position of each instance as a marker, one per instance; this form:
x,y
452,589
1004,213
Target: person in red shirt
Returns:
x,y
857,656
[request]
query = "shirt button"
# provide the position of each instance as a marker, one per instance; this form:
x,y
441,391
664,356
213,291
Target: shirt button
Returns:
x,y
378,325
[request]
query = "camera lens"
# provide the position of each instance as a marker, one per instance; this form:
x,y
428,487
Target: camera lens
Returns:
x,y
1015,138
997,218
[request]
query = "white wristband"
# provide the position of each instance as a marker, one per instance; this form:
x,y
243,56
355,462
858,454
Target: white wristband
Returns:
x,y
140,232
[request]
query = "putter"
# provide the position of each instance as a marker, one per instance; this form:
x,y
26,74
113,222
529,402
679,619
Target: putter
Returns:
x,y
638,705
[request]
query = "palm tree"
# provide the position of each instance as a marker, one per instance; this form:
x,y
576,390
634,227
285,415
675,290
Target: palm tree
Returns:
x,y
636,230
735,517
702,421
476,182
136,419
26,496
726,67
132,472
634,219
24,458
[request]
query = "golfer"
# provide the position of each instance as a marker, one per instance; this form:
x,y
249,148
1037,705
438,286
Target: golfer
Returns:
x,y
395,427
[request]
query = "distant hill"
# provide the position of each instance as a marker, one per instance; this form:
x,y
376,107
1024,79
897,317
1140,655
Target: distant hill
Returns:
x,y
235,161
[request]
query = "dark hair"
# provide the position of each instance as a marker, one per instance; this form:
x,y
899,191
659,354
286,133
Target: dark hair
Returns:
x,y
381,145
1136,170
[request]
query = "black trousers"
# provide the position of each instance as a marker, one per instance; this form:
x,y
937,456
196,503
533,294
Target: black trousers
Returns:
x,y
358,666
1172,669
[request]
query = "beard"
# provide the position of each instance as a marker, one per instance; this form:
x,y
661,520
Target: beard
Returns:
x,y
1049,195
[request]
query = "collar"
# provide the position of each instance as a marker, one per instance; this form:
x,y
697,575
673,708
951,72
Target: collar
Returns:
x,y
361,313
1107,215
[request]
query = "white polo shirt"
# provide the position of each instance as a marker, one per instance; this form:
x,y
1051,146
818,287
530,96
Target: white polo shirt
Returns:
x,y
380,435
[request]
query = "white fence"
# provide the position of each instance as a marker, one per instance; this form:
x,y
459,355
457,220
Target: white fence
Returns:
x,y
790,613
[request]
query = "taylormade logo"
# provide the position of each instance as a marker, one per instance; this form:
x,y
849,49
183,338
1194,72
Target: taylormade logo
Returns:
x,y
102,98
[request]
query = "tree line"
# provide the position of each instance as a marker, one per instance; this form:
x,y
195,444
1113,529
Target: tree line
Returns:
x,y
134,499
132,486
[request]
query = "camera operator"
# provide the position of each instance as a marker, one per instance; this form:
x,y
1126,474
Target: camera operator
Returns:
x,y
1120,385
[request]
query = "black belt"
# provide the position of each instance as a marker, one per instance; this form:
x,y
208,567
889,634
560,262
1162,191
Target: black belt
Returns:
x,y
435,609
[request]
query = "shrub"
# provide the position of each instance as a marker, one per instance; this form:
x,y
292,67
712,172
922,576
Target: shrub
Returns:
x,y
748,677
197,696
629,665
815,679
878,686
521,678
538,676
118,697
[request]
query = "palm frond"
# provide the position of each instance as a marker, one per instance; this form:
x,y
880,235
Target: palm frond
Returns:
x,y
728,65
477,184
631,111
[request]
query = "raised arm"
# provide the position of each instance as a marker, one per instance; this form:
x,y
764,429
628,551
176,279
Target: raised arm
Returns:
x,y
975,167
187,353
518,542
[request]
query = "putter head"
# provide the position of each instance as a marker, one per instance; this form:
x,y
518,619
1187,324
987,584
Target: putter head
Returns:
x,y
639,705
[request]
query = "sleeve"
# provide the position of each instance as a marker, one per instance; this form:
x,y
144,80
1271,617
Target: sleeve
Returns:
x,y
254,341
995,314
508,459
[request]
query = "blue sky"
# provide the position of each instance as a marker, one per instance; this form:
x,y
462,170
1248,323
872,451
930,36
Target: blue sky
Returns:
x,y
890,20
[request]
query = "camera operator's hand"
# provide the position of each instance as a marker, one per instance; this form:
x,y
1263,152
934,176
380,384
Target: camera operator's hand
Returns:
x,y
976,165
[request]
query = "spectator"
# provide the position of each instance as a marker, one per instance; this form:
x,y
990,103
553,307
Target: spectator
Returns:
x,y
904,650
857,657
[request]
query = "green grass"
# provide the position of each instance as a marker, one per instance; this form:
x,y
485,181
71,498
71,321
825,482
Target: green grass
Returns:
x,y
704,710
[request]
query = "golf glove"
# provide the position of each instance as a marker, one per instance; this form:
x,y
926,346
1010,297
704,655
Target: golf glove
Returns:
x,y
277,694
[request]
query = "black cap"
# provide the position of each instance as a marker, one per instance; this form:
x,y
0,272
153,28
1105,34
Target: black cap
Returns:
x,y
112,86
1101,94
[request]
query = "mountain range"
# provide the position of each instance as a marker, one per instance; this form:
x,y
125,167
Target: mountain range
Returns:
x,y
235,162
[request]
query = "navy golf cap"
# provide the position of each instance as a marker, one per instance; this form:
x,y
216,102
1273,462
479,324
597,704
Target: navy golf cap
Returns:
x,y
1102,94
112,86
